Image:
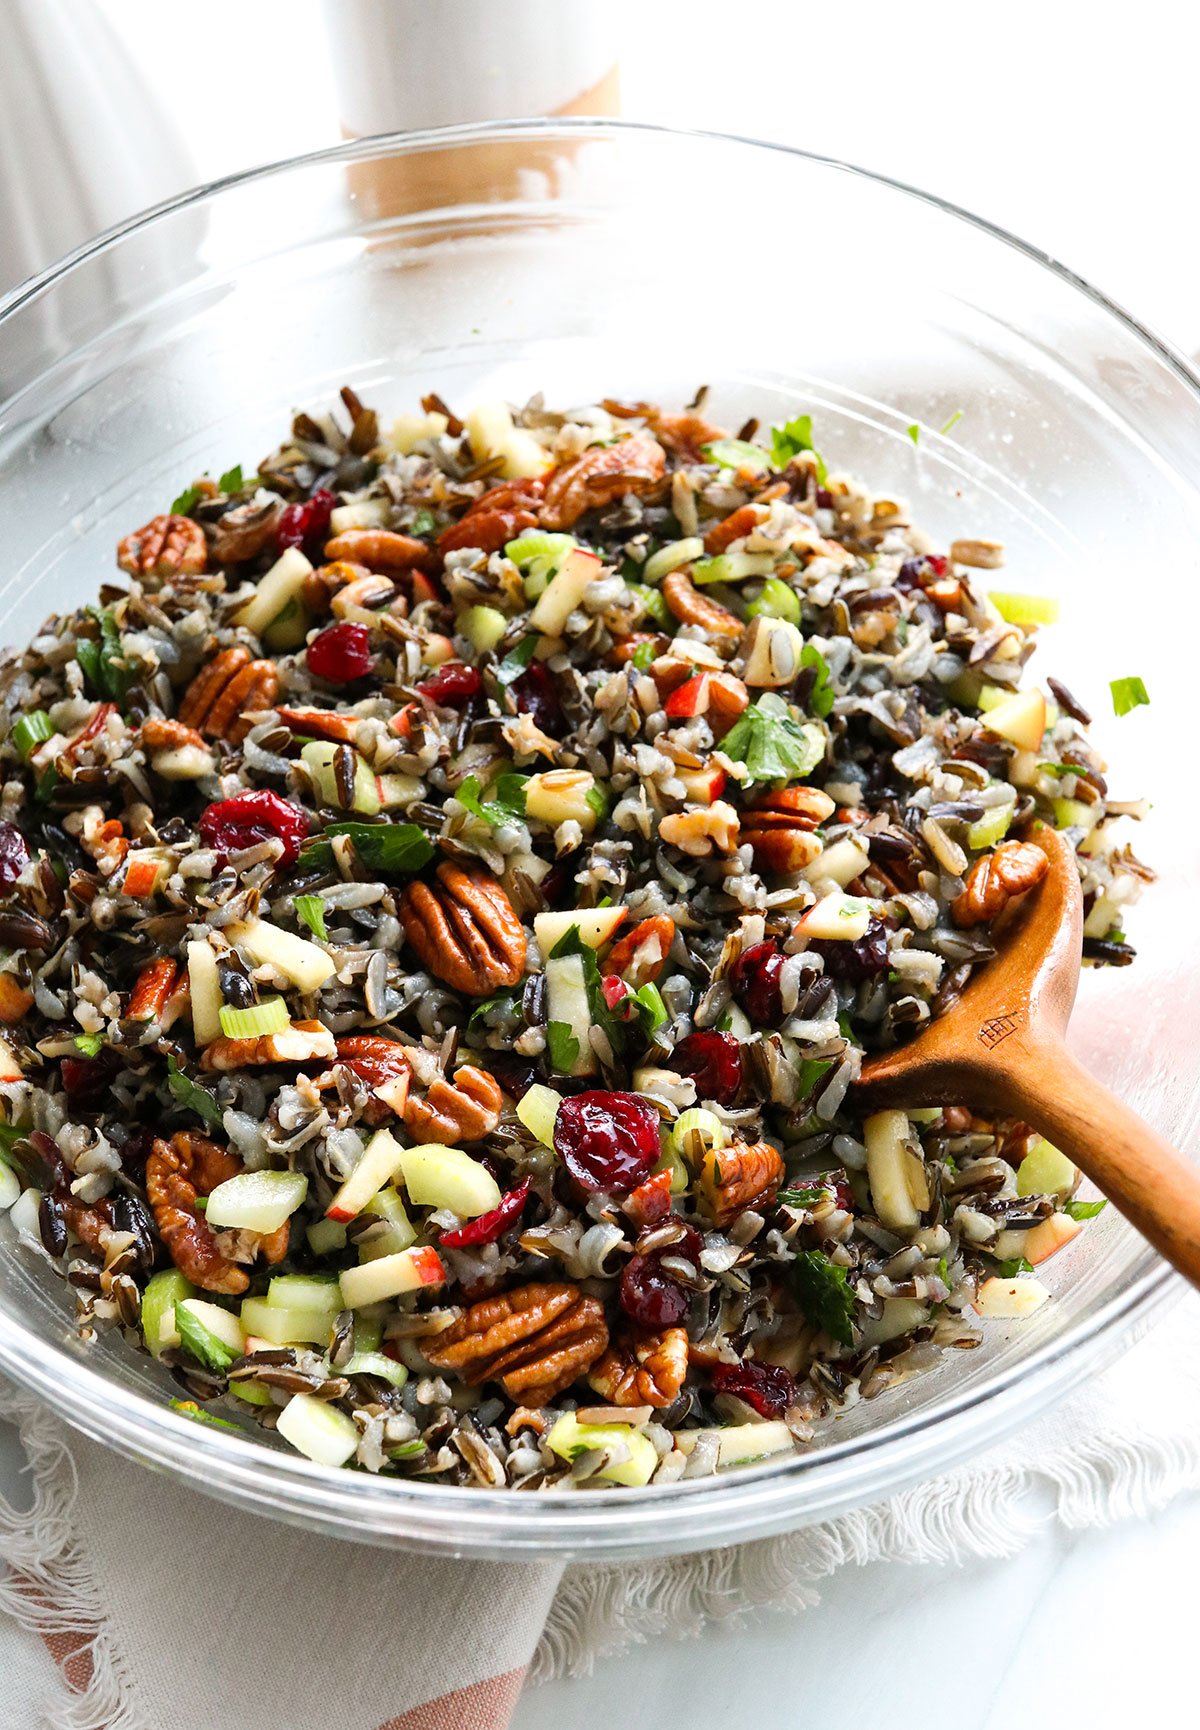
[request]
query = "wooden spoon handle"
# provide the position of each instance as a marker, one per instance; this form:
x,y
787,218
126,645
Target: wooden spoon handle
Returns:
x,y
1155,1187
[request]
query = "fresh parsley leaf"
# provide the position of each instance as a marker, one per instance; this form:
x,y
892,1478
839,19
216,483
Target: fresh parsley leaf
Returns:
x,y
1127,694
506,999
562,1046
845,1029
189,1409
187,501
820,698
571,943
424,522
516,661
201,1343
1010,1269
191,1097
824,1294
1084,1209
793,437
384,847
643,655
232,480
90,1044
47,781
914,433
507,805
810,1072
772,744
102,662
800,1197
10,1135
311,909
951,423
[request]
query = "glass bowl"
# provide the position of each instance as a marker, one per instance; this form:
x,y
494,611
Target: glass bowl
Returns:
x,y
591,259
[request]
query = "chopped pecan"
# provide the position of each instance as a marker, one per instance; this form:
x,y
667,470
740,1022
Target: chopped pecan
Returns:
x,y
152,988
522,494
644,950
744,1174
381,1065
983,555
164,735
992,881
642,1369
320,724
600,475
734,527
15,1001
650,1201
535,1341
381,550
700,831
488,530
464,930
165,547
321,585
690,607
299,1043
176,752
627,647
177,1172
779,828
209,682
686,433
463,1109
245,531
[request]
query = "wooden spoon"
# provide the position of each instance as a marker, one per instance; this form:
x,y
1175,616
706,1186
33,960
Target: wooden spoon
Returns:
x,y
1001,1048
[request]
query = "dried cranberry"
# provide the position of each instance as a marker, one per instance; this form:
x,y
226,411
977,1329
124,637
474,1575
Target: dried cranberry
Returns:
x,y
650,1297
755,978
233,824
918,573
714,1061
85,1078
514,1074
767,1387
854,961
535,695
452,686
340,654
14,854
305,525
607,1141
489,1226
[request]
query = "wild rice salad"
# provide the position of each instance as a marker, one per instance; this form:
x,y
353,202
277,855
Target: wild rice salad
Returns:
x,y
450,882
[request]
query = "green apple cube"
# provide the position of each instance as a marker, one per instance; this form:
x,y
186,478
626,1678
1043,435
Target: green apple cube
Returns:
x,y
286,1324
318,1430
259,1201
634,1455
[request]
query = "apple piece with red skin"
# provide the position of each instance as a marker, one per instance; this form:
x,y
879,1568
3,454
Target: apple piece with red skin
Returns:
x,y
1049,1236
704,786
391,1276
1021,718
381,1160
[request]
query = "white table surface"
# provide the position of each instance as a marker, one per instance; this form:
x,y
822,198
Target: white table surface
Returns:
x,y
1073,128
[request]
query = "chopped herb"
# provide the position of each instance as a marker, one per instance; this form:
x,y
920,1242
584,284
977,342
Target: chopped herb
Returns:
x,y
1060,771
406,1450
231,481
10,1135
820,699
191,1097
380,846
47,781
102,661
189,1409
516,661
562,1046
424,523
772,744
800,1197
616,1030
31,731
506,806
825,1296
643,655
91,1044
506,999
201,1342
1127,694
311,909
810,1072
914,433
1084,1209
793,437
187,501
951,423
1010,1269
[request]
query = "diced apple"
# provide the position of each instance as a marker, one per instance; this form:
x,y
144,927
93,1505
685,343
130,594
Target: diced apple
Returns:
x,y
144,872
222,1323
596,926
10,1069
738,1444
409,430
360,514
562,796
565,591
1046,1171
703,785
318,758
567,1002
305,1291
1051,1235
483,627
493,434
387,1236
318,1430
285,1324
436,1176
836,917
379,1164
256,1200
899,1187
900,1316
307,966
205,991
537,1109
773,651
282,586
391,1276
633,1456
1021,718
1009,1299
839,864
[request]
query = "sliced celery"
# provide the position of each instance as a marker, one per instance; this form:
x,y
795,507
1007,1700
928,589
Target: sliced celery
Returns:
x,y
163,1291
269,1016
695,1132
652,600
737,454
991,827
732,567
1025,609
777,601
670,557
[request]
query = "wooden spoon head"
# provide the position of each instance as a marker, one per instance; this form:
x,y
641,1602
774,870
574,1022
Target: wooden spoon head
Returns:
x,y
1027,989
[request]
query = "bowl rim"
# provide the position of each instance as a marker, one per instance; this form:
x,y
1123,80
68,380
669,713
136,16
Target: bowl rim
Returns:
x,y
756,1500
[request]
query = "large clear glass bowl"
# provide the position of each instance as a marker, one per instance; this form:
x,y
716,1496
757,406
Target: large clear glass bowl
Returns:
x,y
596,259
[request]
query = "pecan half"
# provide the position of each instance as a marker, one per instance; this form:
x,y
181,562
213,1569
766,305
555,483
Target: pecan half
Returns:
x,y
321,724
686,433
535,1341
690,607
464,930
179,1171
321,585
642,1369
780,828
734,527
381,1065
299,1043
992,881
600,475
463,1109
245,531
165,547
744,1174
225,691
487,530
381,550
164,735
640,956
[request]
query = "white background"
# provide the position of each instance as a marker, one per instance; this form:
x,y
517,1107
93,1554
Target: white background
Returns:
x,y
1075,126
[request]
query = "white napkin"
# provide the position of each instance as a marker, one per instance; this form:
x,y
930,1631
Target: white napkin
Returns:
x,y
166,1611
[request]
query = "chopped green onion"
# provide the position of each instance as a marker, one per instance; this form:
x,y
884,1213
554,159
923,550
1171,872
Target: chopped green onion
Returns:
x,y
269,1016
776,601
31,731
914,433
643,655
656,607
737,454
424,522
655,1010
91,1044
1024,609
311,909
516,661
375,1364
951,423
695,1132
1127,694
